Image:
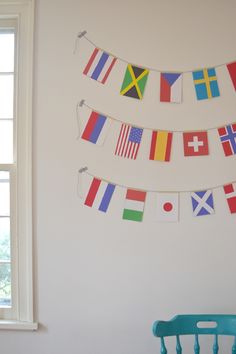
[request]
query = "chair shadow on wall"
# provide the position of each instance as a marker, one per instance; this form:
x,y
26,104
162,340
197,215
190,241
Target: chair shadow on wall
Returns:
x,y
197,326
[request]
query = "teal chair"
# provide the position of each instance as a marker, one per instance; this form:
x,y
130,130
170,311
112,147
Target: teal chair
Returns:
x,y
196,325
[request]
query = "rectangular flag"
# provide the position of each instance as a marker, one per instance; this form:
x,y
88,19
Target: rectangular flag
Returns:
x,y
171,87
134,82
202,203
99,194
205,82
160,149
99,65
195,143
232,72
230,195
134,205
128,142
168,207
228,139
96,128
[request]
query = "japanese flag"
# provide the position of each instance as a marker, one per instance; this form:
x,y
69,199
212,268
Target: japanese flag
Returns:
x,y
168,207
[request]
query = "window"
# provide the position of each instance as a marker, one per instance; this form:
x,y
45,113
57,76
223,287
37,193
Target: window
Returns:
x,y
16,38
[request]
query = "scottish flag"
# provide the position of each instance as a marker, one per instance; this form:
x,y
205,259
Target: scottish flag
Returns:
x,y
202,203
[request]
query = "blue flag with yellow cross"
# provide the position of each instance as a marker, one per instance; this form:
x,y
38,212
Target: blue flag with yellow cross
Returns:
x,y
134,82
205,82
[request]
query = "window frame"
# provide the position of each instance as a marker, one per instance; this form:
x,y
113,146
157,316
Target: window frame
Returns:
x,y
21,315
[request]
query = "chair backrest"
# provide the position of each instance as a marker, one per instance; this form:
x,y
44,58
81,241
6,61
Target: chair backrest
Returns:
x,y
196,325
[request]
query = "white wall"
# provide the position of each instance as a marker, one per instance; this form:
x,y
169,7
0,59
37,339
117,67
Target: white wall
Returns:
x,y
100,281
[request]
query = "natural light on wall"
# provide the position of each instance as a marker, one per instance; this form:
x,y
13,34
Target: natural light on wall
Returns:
x,y
7,40
16,265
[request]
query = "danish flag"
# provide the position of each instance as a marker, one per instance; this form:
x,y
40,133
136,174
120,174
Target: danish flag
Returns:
x,y
230,194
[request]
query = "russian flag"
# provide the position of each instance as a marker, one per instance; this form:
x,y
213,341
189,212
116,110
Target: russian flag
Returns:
x,y
96,128
99,194
99,65
171,87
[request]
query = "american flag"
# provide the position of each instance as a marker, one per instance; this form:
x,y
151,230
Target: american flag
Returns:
x,y
129,141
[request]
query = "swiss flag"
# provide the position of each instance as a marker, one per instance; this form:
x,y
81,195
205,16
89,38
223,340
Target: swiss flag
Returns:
x,y
195,143
230,194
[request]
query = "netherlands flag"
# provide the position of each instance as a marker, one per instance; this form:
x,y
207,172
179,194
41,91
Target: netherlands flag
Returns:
x,y
171,87
99,194
96,128
99,65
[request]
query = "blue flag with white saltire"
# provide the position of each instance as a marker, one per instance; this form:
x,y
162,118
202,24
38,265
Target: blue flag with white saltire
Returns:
x,y
202,203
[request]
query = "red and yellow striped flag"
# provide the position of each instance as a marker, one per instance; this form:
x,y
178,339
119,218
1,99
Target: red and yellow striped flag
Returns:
x,y
160,146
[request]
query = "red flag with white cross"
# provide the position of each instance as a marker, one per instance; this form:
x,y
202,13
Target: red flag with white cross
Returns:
x,y
230,194
195,143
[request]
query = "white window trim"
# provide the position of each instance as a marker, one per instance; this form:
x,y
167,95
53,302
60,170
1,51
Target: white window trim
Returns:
x,y
23,318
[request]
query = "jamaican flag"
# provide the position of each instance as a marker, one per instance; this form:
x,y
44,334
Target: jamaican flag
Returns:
x,y
134,82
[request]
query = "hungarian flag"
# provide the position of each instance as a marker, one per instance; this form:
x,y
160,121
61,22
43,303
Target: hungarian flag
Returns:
x,y
134,205
230,194
171,87
232,72
99,194
134,82
168,207
96,128
160,146
195,143
99,65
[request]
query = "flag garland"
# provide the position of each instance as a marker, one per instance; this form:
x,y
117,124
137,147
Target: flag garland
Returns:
x,y
100,194
129,138
101,63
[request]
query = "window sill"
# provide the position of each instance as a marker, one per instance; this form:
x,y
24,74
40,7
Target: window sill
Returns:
x,y
18,325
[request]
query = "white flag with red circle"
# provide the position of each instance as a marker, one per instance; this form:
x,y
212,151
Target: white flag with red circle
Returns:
x,y
168,207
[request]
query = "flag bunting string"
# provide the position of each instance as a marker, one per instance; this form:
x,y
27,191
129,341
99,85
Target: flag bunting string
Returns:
x,y
85,170
83,103
83,35
195,142
99,194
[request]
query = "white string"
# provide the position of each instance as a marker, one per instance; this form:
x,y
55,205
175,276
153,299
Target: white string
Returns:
x,y
85,170
83,35
154,129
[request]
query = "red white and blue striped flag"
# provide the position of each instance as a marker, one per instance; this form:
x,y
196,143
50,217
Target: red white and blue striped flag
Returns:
x,y
100,194
128,141
99,65
96,128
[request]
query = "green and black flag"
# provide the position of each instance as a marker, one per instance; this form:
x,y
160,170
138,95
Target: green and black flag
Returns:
x,y
134,82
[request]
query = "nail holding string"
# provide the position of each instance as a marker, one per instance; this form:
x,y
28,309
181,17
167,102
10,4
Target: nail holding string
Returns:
x,y
80,182
79,36
79,105
83,169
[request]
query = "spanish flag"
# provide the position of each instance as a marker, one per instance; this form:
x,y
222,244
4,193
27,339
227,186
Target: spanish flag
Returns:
x,y
160,146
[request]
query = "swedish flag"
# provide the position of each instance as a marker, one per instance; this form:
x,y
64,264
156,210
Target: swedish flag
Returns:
x,y
134,82
205,82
